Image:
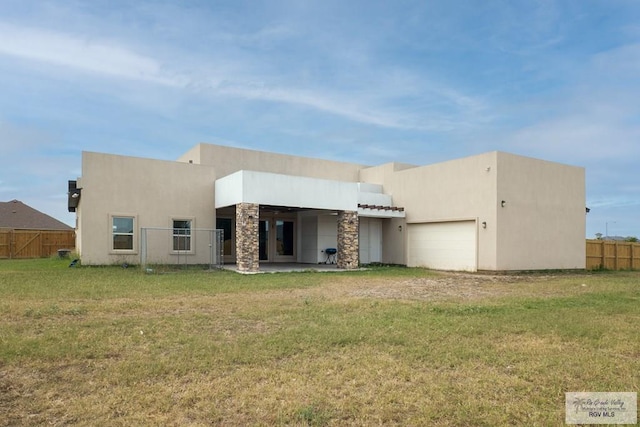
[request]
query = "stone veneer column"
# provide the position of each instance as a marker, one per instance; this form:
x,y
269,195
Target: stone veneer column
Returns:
x,y
247,244
348,249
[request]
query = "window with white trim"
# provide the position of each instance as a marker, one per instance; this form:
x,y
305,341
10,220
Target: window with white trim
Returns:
x,y
122,233
182,235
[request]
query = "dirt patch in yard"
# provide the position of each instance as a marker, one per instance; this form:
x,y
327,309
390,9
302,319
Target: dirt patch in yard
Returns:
x,y
466,286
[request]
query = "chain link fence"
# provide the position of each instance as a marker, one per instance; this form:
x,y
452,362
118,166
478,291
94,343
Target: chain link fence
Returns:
x,y
170,249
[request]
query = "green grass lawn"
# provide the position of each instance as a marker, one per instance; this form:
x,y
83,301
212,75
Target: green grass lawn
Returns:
x,y
114,346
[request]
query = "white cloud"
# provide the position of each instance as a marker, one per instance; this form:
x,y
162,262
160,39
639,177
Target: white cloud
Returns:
x,y
334,104
388,98
80,53
621,61
578,139
371,93
264,38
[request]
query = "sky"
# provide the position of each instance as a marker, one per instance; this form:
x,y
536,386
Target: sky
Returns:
x,y
361,81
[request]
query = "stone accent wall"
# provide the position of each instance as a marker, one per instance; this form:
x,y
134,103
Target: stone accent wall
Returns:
x,y
348,245
247,244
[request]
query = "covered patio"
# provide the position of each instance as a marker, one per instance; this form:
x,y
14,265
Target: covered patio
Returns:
x,y
290,267
291,220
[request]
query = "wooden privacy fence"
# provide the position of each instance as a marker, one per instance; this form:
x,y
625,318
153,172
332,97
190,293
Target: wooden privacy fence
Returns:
x,y
613,255
34,243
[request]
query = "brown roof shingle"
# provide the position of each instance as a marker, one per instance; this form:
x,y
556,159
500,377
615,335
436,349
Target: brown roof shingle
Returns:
x,y
17,215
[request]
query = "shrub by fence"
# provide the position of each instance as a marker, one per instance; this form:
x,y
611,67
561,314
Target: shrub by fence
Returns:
x,y
34,243
613,255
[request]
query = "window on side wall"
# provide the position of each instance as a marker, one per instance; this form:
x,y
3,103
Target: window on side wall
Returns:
x,y
122,233
182,235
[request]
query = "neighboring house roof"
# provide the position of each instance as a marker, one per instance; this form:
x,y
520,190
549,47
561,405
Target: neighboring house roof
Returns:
x,y
15,214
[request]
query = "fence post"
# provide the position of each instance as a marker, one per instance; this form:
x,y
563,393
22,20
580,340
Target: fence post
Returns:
x,y
143,248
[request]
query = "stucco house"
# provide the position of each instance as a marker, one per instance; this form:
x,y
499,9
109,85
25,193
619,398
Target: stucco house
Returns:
x,y
494,211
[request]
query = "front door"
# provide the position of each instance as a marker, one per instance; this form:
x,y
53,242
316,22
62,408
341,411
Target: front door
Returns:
x,y
276,239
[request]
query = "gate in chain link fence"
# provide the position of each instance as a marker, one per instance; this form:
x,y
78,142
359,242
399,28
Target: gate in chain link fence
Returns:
x,y
168,249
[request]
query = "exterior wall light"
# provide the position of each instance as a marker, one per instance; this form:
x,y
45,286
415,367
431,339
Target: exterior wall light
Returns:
x,y
503,203
399,228
484,224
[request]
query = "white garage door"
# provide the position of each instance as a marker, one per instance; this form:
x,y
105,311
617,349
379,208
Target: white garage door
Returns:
x,y
442,245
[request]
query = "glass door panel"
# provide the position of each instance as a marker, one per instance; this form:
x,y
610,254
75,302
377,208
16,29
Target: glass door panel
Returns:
x,y
263,240
227,226
285,240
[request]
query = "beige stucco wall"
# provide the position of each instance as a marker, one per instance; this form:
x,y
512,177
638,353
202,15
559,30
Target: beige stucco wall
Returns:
x,y
542,225
393,229
461,189
153,191
228,160
380,174
192,156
